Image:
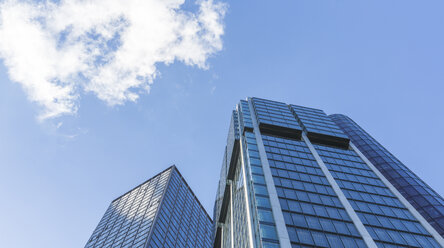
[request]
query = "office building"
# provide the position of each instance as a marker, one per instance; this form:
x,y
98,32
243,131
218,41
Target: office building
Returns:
x,y
292,177
161,212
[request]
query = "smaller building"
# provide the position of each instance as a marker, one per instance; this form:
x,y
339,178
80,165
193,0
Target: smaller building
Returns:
x,y
161,212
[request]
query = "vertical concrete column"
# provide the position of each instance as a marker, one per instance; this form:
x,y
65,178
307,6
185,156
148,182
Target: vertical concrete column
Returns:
x,y
247,200
281,228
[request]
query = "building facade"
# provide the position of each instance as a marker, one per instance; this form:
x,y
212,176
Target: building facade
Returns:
x,y
291,177
428,203
161,212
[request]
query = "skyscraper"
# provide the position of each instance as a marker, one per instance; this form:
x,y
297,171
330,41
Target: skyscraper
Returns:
x,y
292,178
161,212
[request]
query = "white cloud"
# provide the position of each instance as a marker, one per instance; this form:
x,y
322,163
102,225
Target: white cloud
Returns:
x,y
59,49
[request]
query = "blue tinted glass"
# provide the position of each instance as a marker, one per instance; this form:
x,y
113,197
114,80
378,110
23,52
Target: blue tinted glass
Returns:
x,y
305,237
263,202
334,240
268,232
419,194
265,215
260,189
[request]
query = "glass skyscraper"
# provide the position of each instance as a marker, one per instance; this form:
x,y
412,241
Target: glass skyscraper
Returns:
x,y
294,177
161,212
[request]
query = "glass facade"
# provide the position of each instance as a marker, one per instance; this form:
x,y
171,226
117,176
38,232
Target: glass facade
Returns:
x,y
386,219
319,127
263,210
313,213
275,117
298,163
429,203
161,212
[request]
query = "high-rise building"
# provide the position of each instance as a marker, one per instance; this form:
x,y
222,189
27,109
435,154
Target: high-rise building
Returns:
x,y
292,178
161,212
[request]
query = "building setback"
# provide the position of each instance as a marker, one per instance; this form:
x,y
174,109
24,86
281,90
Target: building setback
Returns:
x,y
291,177
161,212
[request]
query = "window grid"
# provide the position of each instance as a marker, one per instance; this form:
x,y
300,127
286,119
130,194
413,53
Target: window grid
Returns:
x,y
182,221
267,226
316,121
312,212
428,203
387,221
128,219
274,113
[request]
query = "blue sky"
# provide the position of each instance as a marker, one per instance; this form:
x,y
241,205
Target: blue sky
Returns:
x,y
379,62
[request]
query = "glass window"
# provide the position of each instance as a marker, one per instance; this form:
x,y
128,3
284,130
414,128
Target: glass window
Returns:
x,y
268,232
287,218
320,211
320,239
383,235
265,215
409,239
263,202
256,169
327,225
299,220
315,198
305,236
284,204
292,234
396,237
269,245
334,241
258,179
260,189
333,213
290,194
341,227
294,206
313,222
307,208
348,242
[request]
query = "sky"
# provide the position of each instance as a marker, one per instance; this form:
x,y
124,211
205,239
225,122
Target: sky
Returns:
x,y
91,107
